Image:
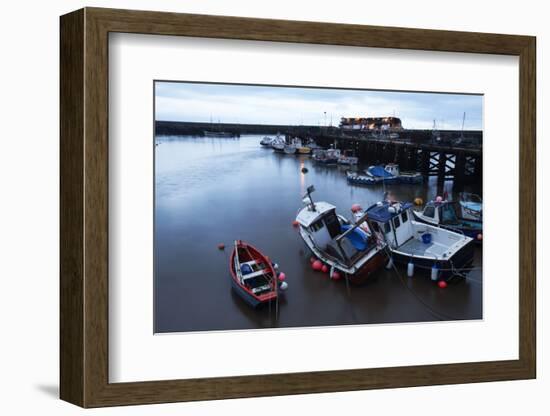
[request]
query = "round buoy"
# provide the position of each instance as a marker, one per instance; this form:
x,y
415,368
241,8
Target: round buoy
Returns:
x,y
336,275
418,201
221,246
356,208
304,170
438,199
295,223
281,277
317,265
312,259
324,268
480,237
442,284
283,286
275,265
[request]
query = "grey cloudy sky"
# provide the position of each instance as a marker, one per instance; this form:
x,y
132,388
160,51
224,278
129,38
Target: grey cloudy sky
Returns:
x,y
231,103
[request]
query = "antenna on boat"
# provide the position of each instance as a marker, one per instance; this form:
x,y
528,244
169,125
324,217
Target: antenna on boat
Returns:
x,y
310,190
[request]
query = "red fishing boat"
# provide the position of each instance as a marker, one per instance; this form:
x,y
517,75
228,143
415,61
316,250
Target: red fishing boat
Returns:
x,y
253,276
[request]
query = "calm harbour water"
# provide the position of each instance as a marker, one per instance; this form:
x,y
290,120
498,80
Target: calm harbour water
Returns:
x,y
215,190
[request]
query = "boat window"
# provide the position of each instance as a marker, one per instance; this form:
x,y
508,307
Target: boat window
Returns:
x,y
387,227
332,224
396,222
429,211
316,226
404,217
448,214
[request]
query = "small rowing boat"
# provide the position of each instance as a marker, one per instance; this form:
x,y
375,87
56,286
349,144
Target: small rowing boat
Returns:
x,y
253,276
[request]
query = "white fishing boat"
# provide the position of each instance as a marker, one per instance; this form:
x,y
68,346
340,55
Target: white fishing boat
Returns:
x,y
292,147
278,144
326,157
266,141
343,246
348,158
443,253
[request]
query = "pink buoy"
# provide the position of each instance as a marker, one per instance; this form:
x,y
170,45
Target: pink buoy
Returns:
x,y
336,275
480,237
282,277
442,284
221,246
438,199
317,265
356,208
312,259
295,223
324,268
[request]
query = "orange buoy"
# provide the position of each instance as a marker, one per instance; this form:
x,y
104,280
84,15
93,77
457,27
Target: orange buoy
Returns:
x,y
221,246
295,223
442,284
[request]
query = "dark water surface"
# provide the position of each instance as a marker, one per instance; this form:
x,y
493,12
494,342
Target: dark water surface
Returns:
x,y
216,190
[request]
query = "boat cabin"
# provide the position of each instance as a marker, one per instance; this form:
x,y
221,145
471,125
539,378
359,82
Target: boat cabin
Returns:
x,y
393,221
392,168
333,234
440,213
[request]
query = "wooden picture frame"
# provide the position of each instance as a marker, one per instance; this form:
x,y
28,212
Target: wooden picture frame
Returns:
x,y
84,207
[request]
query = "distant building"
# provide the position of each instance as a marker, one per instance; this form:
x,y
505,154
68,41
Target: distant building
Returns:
x,y
371,123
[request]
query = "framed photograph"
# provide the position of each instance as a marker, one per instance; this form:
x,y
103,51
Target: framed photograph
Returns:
x,y
255,207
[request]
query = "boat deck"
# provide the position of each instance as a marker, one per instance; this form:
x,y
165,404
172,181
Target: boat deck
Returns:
x,y
418,248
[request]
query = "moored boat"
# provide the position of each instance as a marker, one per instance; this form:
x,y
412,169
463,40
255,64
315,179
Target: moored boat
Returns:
x,y
471,206
278,144
266,141
406,177
348,158
327,156
443,253
382,174
343,246
360,179
218,134
445,214
253,276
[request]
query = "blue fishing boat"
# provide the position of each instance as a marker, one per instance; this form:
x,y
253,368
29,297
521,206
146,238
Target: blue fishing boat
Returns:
x,y
360,179
382,174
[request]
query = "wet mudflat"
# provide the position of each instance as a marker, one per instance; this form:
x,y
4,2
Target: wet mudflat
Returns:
x,y
215,190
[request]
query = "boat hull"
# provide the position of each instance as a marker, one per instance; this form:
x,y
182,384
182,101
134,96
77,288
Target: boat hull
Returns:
x,y
462,259
365,273
244,295
363,180
251,253
410,179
